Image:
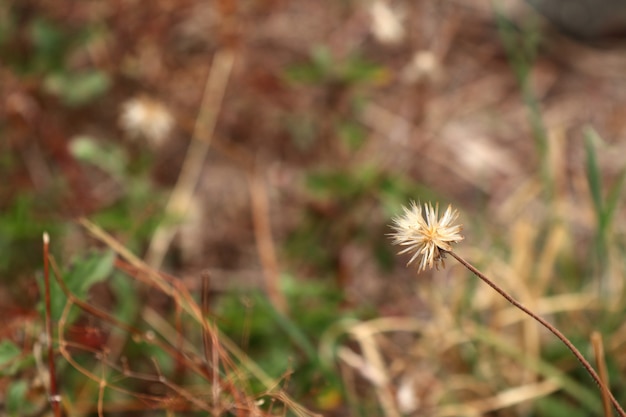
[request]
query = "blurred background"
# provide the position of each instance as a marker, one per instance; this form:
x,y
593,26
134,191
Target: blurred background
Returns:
x,y
265,145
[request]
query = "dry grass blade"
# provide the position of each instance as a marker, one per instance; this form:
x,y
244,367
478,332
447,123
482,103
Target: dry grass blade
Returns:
x,y
376,368
585,364
230,354
598,349
265,241
501,400
181,196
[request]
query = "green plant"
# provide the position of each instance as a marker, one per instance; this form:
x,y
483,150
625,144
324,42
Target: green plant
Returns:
x,y
50,48
605,209
522,45
286,345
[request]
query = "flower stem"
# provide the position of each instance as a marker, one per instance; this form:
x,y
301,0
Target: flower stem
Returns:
x,y
548,326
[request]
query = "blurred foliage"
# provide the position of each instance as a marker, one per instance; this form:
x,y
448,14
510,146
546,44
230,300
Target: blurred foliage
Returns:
x,y
10,355
86,271
287,345
138,209
605,208
345,84
22,221
340,200
322,69
43,48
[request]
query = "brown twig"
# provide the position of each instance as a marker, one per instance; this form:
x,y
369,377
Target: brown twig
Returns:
x,y
547,325
55,398
206,338
265,242
180,369
210,343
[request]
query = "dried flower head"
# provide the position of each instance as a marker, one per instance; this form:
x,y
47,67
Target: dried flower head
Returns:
x,y
424,234
144,116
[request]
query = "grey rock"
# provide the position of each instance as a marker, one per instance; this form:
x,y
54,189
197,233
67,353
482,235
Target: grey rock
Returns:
x,y
585,19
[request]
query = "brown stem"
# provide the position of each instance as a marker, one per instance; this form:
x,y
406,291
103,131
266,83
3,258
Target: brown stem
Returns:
x,y
548,326
598,349
265,241
54,399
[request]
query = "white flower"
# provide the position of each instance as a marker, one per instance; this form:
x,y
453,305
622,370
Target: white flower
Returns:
x,y
386,23
143,116
425,235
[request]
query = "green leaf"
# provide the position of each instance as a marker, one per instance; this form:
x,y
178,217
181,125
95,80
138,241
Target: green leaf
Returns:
x,y
95,267
46,36
16,398
8,352
358,70
50,44
78,88
108,157
593,172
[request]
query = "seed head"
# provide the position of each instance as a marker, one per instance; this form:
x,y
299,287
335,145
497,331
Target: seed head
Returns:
x,y
147,117
425,235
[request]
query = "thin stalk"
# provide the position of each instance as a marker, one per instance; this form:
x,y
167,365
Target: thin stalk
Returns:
x,y
55,398
598,349
547,325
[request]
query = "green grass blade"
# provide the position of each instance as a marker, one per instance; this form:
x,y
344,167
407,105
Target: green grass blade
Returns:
x,y
297,336
521,45
593,172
